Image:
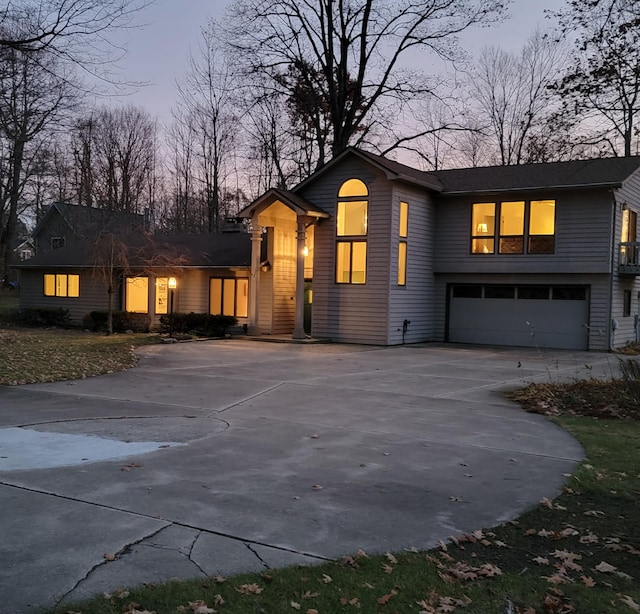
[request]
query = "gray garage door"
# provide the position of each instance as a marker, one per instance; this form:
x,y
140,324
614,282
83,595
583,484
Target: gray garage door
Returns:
x,y
531,316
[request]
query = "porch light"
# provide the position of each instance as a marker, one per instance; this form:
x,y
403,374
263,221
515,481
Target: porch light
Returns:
x,y
173,283
305,251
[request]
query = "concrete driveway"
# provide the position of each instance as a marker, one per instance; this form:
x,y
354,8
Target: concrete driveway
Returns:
x,y
227,456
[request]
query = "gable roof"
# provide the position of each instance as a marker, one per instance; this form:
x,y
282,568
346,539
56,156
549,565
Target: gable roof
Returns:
x,y
218,250
598,172
296,203
395,171
88,221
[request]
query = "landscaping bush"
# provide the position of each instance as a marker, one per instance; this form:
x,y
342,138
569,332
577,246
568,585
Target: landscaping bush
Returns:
x,y
203,324
43,317
122,321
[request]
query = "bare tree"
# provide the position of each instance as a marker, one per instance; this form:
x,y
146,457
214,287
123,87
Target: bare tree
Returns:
x,y
513,96
347,56
116,256
76,31
206,99
114,151
32,98
602,86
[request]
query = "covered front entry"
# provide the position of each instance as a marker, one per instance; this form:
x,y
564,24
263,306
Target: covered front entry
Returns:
x,y
543,316
277,286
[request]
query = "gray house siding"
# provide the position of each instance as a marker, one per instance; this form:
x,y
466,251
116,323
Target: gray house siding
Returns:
x,y
413,301
351,313
93,294
581,239
626,330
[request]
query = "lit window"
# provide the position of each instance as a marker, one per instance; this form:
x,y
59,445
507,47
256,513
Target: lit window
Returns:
x,y
162,295
62,285
229,297
404,220
351,261
512,234
512,227
403,232
483,228
542,226
137,294
351,255
402,263
629,224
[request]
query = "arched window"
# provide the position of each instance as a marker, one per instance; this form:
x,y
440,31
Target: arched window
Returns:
x,y
351,232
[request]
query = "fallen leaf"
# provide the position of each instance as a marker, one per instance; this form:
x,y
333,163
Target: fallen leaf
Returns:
x,y
107,556
326,579
604,567
295,605
541,560
392,559
588,581
386,598
546,503
317,487
249,589
312,611
200,607
387,568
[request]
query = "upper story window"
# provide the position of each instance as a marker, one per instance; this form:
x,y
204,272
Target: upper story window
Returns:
x,y
523,227
629,224
351,232
403,233
57,242
62,285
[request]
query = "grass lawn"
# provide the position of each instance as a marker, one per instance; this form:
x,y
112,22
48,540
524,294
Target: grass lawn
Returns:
x,y
34,355
578,553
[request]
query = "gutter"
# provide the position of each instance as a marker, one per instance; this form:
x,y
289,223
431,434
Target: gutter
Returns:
x,y
581,186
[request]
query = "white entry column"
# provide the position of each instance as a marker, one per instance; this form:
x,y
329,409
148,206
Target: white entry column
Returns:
x,y
254,281
298,329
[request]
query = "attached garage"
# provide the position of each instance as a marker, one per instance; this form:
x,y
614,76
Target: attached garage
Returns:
x,y
545,316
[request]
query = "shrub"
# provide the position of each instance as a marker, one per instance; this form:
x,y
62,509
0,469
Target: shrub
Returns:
x,y
203,324
121,320
38,317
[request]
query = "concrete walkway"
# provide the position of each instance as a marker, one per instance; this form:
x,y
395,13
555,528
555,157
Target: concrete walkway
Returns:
x,y
228,456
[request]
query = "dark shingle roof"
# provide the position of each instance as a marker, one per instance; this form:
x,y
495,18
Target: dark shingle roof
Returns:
x,y
186,250
600,172
89,221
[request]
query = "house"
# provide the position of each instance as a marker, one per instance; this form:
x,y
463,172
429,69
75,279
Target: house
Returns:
x,y
539,255
64,224
211,271
368,250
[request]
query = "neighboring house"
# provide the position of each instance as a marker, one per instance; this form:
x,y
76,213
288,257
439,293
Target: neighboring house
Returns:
x,y
24,250
64,224
540,255
212,273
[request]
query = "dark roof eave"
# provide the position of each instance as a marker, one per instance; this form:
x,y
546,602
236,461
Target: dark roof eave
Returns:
x,y
581,186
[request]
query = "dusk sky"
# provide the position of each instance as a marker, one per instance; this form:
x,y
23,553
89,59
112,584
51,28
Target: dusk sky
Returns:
x,y
158,51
